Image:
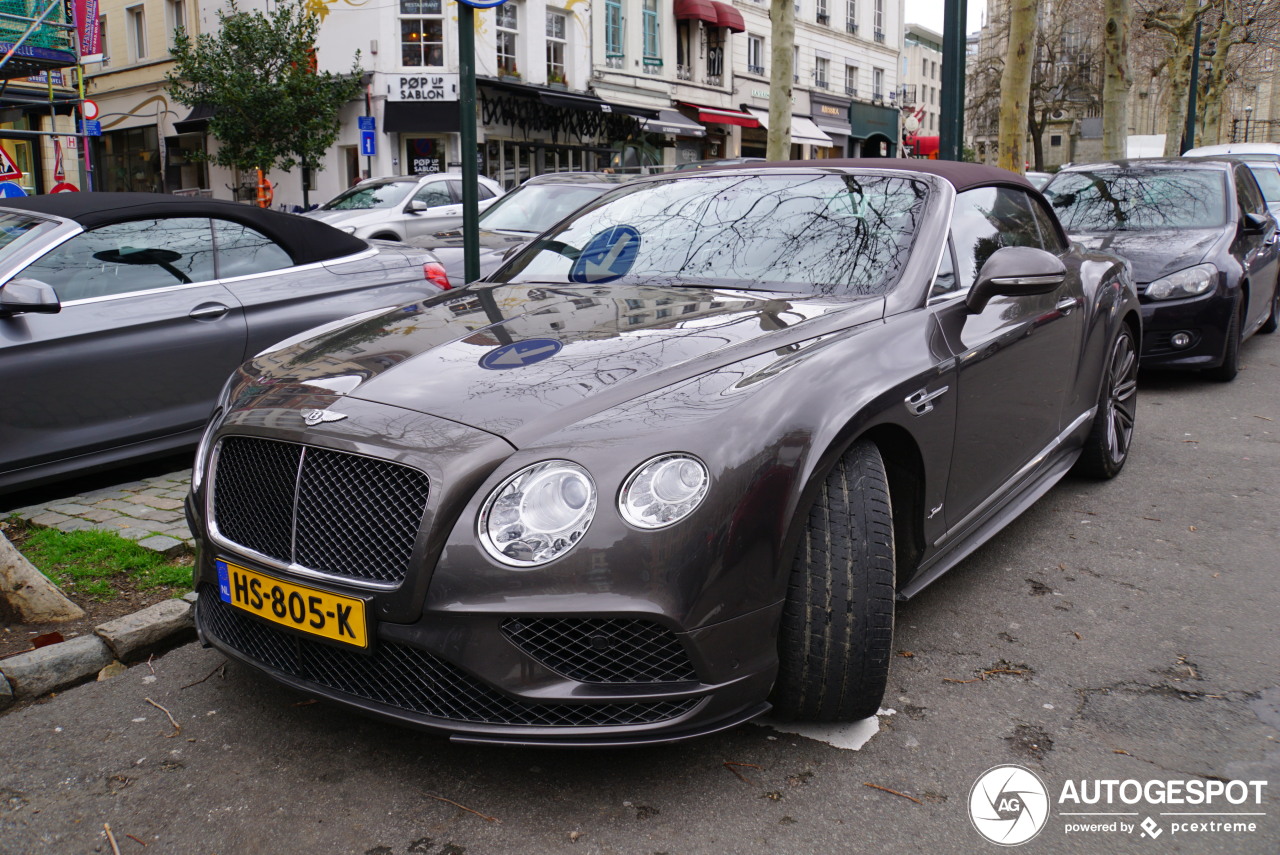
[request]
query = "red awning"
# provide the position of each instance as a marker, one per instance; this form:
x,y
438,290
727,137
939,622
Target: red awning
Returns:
x,y
698,10
923,146
722,116
726,16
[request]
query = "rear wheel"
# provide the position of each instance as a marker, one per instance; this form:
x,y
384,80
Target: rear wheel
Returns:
x,y
837,623
1107,448
1226,372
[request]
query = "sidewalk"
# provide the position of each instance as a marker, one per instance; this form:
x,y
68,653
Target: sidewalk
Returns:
x,y
147,511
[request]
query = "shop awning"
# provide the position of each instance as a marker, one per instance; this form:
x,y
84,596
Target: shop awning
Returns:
x,y
422,117
727,16
722,116
571,100
803,130
638,112
196,121
671,122
697,10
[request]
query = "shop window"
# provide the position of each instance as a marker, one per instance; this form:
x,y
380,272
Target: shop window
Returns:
x,y
507,18
127,161
613,52
175,13
421,33
137,18
755,55
185,167
557,42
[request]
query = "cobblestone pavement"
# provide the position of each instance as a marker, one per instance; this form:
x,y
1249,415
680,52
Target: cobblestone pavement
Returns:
x,y
147,511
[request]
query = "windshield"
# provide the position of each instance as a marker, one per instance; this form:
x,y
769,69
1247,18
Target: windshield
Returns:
x,y
535,208
19,230
371,194
830,234
1268,179
1107,200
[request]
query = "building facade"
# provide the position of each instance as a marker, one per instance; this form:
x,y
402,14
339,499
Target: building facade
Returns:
x,y
920,98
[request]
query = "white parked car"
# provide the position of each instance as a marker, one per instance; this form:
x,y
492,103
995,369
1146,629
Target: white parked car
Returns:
x,y
403,206
1263,160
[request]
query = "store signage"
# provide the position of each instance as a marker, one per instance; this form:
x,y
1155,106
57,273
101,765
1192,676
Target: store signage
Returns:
x,y
423,87
828,110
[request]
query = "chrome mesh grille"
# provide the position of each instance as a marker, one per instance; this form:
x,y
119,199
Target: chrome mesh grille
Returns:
x,y
408,678
603,650
338,513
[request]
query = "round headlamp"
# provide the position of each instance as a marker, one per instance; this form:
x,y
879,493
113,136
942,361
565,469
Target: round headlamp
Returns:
x,y
663,491
538,514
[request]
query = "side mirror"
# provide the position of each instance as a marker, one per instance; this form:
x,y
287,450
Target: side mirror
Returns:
x,y
415,206
1016,271
19,296
1254,224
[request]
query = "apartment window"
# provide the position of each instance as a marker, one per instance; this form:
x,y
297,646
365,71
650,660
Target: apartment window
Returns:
x,y
924,68
821,71
137,18
755,55
934,75
877,84
851,80
556,43
879,20
1055,139
824,16
715,56
421,33
507,25
175,12
613,53
851,16
652,35
795,64
102,32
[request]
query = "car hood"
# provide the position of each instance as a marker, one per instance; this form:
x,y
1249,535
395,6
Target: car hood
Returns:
x,y
494,246
521,360
1156,253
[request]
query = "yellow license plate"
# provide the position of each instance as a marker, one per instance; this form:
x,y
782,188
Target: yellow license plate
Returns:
x,y
299,607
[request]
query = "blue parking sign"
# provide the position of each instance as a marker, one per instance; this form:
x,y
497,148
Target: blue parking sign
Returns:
x,y
366,123
368,143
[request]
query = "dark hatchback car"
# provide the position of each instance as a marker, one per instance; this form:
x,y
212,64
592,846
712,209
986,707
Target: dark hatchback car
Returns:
x,y
1203,247
122,314
518,217
671,464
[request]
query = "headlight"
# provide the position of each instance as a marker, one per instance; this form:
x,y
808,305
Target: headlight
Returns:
x,y
1184,283
538,514
663,490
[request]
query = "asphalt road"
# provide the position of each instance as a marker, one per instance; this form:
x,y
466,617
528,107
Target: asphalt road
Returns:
x,y
1121,631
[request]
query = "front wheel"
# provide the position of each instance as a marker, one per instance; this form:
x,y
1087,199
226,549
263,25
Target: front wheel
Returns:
x,y
837,623
1107,448
1226,372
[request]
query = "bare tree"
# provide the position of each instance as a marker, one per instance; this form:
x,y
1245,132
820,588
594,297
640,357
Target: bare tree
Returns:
x,y
1115,79
1176,20
1015,85
782,12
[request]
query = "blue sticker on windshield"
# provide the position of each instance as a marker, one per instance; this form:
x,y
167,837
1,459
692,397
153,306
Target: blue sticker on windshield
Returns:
x,y
607,256
520,354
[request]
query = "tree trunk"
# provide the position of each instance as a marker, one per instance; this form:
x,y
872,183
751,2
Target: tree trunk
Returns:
x,y
1116,80
1036,130
1215,85
26,594
782,13
1180,78
1015,85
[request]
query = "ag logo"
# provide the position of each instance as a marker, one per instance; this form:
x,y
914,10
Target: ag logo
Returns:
x,y
1008,805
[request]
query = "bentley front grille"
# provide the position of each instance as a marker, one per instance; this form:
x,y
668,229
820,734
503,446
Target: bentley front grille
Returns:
x,y
342,514
408,678
603,650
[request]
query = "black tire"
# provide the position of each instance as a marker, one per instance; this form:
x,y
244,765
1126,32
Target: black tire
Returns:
x,y
837,624
1273,319
1226,372
1107,448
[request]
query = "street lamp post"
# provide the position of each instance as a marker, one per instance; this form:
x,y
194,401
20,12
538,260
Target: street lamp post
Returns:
x,y
1248,114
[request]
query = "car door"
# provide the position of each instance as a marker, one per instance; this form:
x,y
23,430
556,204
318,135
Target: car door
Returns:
x,y
1016,359
442,211
1257,253
144,341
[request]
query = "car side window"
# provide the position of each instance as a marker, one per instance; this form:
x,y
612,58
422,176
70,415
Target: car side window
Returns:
x,y
482,192
123,258
1251,201
242,251
986,219
1049,236
433,194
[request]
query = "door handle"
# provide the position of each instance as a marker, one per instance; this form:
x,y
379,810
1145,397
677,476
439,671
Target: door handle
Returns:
x,y
208,312
921,402
1066,304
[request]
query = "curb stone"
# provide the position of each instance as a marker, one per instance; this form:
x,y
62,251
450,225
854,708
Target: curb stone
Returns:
x,y
59,666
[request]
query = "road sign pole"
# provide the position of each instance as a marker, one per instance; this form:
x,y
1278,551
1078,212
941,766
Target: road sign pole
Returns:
x,y
951,127
467,139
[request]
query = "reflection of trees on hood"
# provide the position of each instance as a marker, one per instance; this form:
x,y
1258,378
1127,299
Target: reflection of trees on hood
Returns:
x,y
1115,199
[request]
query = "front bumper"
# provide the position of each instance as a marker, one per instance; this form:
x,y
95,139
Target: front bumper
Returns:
x,y
1206,319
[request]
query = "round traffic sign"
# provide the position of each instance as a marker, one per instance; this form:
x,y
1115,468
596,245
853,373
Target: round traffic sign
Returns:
x,y
88,110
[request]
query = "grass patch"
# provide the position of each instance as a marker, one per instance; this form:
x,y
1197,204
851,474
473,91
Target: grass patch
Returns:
x,y
100,565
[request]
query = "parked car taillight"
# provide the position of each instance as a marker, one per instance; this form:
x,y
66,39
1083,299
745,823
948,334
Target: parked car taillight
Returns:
x,y
436,274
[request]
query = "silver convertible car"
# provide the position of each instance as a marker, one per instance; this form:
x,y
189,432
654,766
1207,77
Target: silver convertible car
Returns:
x,y
121,315
671,464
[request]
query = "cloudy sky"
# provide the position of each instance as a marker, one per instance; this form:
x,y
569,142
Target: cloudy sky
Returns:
x,y
929,13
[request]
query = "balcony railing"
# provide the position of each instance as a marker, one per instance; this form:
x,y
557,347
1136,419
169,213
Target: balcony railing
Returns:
x,y
654,68
755,69
614,61
880,36
824,18
821,82
850,27
851,90
684,72
715,80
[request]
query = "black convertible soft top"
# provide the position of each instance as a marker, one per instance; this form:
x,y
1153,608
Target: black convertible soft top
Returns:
x,y
306,240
